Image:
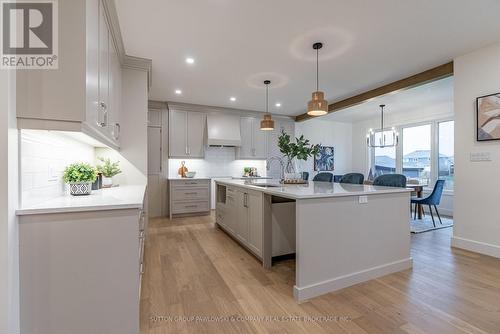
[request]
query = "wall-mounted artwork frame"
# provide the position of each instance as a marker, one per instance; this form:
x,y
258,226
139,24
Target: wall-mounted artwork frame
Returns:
x,y
488,117
325,159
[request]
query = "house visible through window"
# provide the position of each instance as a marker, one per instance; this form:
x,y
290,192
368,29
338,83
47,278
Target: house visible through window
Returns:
x,y
385,158
417,153
446,161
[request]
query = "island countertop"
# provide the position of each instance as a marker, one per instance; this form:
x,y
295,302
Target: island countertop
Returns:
x,y
122,197
311,189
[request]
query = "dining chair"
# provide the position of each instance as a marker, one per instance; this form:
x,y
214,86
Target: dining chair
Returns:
x,y
390,180
305,176
336,178
354,178
323,177
432,200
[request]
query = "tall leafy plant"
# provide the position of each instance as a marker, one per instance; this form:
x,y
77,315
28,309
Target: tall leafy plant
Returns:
x,y
300,149
108,168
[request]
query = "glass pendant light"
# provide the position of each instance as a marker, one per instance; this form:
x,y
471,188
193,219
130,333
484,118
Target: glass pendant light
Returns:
x,y
318,106
382,142
267,123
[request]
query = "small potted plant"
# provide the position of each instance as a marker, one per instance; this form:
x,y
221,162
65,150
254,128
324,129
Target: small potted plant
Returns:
x,y
80,177
108,169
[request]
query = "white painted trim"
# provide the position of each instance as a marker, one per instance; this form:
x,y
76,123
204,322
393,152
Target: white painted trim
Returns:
x,y
341,282
476,246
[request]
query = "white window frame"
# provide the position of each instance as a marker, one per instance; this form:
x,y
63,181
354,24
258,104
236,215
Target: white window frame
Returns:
x,y
399,149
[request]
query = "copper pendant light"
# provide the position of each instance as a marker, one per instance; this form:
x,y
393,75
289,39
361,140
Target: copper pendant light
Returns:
x,y
267,123
318,106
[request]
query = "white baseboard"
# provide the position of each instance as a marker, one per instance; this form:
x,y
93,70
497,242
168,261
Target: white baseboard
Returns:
x,y
476,246
317,289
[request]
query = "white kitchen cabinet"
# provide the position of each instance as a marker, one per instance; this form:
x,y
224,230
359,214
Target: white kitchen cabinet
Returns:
x,y
240,213
189,196
253,139
82,94
186,134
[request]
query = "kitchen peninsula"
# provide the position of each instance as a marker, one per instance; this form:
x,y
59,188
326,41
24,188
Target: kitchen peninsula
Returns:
x,y
341,234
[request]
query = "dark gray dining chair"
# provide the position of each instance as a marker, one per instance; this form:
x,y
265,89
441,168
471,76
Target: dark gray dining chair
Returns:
x,y
305,176
354,178
390,180
323,177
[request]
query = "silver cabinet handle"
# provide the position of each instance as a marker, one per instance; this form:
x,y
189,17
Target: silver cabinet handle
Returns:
x,y
117,131
191,206
191,193
102,115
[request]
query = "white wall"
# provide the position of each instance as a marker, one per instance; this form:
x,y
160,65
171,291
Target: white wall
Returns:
x,y
9,240
477,186
327,133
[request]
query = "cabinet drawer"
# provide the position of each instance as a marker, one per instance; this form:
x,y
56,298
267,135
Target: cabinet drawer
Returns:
x,y
188,207
190,183
186,194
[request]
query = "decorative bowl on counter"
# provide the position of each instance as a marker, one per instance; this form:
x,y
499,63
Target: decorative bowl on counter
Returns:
x,y
190,175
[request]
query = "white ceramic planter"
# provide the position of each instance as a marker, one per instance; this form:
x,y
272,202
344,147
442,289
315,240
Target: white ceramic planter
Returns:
x,y
80,188
107,182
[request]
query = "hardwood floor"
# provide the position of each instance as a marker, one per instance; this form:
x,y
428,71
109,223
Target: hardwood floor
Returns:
x,y
195,269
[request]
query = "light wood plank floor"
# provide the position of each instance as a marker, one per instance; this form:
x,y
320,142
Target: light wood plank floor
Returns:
x,y
195,269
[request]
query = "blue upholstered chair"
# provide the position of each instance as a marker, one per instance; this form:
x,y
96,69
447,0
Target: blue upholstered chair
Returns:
x,y
433,199
390,180
354,178
305,176
323,177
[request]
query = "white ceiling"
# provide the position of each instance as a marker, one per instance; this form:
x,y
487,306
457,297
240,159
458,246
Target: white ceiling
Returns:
x,y
421,97
238,44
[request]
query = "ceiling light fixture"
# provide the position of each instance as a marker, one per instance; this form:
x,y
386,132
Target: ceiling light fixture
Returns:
x,y
267,123
382,142
190,60
278,105
318,106
232,98
178,91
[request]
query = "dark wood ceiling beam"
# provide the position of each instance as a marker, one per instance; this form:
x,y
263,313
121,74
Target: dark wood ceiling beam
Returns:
x,y
422,78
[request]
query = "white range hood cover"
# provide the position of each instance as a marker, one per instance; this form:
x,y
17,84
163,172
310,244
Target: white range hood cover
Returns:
x,y
223,130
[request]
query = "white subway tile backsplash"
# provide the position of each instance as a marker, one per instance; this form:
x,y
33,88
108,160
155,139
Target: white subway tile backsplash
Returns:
x,y
218,162
44,156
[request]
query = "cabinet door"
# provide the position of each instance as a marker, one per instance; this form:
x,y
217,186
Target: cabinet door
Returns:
x,y
231,214
102,115
92,62
255,221
154,150
196,122
246,128
242,216
177,134
259,140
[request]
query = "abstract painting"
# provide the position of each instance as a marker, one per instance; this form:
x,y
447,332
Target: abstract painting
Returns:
x,y
488,117
324,160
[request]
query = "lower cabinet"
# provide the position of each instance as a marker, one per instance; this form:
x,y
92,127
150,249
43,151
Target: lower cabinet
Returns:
x,y
189,196
81,272
240,213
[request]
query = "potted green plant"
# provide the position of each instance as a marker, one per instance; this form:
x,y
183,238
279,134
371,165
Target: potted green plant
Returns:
x,y
80,177
108,169
300,149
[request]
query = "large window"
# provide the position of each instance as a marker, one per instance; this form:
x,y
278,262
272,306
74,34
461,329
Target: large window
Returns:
x,y
417,153
425,153
446,160
385,158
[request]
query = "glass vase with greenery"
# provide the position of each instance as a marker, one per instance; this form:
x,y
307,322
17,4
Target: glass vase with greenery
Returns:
x,y
80,176
108,169
301,149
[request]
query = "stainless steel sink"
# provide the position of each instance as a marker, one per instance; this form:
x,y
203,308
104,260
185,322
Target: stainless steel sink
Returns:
x,y
265,185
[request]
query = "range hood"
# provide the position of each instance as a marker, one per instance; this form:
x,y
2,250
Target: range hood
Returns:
x,y
223,130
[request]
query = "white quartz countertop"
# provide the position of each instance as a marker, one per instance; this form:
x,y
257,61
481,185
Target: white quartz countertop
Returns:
x,y
311,189
178,178
122,197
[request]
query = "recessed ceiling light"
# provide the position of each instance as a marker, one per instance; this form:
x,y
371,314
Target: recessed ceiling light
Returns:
x,y
178,91
278,104
232,98
189,60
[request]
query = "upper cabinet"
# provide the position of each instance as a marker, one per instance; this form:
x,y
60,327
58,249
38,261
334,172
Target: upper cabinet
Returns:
x,y
186,134
253,140
84,93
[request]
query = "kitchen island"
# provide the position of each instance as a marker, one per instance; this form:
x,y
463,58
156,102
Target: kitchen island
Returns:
x,y
343,234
